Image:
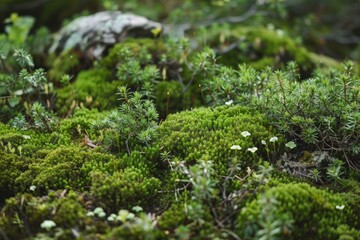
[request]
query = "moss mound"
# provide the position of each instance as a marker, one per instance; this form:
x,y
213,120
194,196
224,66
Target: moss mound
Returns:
x,y
260,47
210,134
295,204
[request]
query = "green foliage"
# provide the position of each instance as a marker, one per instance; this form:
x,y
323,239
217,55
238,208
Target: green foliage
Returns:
x,y
145,159
28,142
17,31
124,189
28,85
42,119
320,112
92,88
222,172
294,204
64,167
67,63
227,85
258,45
130,71
205,202
157,68
133,124
192,215
139,227
81,124
142,51
69,212
11,167
209,134
290,105
22,215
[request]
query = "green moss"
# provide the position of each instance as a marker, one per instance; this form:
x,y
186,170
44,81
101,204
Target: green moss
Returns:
x,y
174,217
207,133
191,219
145,49
124,189
169,97
261,47
66,63
351,186
144,159
139,230
300,202
65,167
81,123
92,88
28,142
14,138
11,167
69,213
22,215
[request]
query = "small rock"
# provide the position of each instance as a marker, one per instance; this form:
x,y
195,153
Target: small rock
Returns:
x,y
93,34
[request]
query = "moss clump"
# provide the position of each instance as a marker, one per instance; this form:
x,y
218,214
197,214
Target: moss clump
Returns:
x,y
147,50
92,88
22,215
11,167
81,123
209,134
28,142
174,217
169,97
261,47
139,230
297,203
65,167
66,63
70,212
191,219
124,189
144,159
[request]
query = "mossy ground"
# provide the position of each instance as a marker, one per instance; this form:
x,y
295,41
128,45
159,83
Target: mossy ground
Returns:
x,y
210,172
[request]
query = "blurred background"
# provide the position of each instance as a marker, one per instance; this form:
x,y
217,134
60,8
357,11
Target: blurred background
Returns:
x,y
329,27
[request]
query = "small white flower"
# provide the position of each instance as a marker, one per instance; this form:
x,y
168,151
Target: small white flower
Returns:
x,y
90,214
32,188
290,145
279,32
48,224
253,149
245,134
98,210
229,102
341,207
263,142
137,209
26,136
235,147
130,216
273,139
102,214
112,217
